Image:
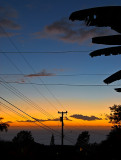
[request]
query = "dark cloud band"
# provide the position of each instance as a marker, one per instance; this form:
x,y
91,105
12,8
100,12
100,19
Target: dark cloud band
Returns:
x,y
86,118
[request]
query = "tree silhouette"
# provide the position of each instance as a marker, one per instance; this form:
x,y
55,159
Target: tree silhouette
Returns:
x,y
83,139
52,142
112,144
114,137
115,115
3,126
23,137
115,134
108,16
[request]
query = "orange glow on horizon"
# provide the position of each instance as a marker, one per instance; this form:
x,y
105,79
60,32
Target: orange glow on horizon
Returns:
x,y
76,107
78,123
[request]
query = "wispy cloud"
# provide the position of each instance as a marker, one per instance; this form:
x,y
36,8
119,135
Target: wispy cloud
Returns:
x,y
42,73
86,118
7,21
18,78
25,121
9,24
70,32
44,120
54,119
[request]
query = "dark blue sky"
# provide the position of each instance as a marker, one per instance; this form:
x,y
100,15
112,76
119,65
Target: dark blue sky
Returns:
x,y
44,26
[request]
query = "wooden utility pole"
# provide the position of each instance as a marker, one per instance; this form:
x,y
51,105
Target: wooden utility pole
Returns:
x,y
61,119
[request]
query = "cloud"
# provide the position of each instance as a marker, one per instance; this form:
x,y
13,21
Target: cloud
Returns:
x,y
42,73
30,121
86,118
9,24
71,32
7,21
44,120
26,121
55,119
22,78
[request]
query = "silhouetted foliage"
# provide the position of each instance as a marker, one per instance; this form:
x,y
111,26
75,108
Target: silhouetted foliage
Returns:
x,y
108,16
110,148
118,89
109,40
115,134
115,115
106,51
83,139
113,77
23,137
3,126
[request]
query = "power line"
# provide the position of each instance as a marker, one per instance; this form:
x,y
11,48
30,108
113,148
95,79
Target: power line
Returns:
x,y
1,104
68,138
19,114
21,110
14,93
43,84
60,75
12,110
16,112
26,114
23,115
30,81
24,98
45,126
60,84
28,119
35,120
50,52
31,67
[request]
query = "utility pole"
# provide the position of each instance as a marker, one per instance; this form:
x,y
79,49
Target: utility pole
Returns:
x,y
61,119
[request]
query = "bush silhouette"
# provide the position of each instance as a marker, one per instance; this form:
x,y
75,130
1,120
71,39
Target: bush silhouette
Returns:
x,y
83,139
23,137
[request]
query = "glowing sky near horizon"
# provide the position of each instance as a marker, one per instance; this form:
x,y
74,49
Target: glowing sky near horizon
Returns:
x,y
43,26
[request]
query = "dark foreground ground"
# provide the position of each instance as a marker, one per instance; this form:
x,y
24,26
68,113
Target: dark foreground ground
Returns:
x,y
37,151
33,151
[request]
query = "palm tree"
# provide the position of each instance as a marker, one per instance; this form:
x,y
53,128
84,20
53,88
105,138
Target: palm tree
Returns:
x,y
3,126
108,16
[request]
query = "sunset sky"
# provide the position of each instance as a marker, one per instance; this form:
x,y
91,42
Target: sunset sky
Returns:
x,y
45,65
